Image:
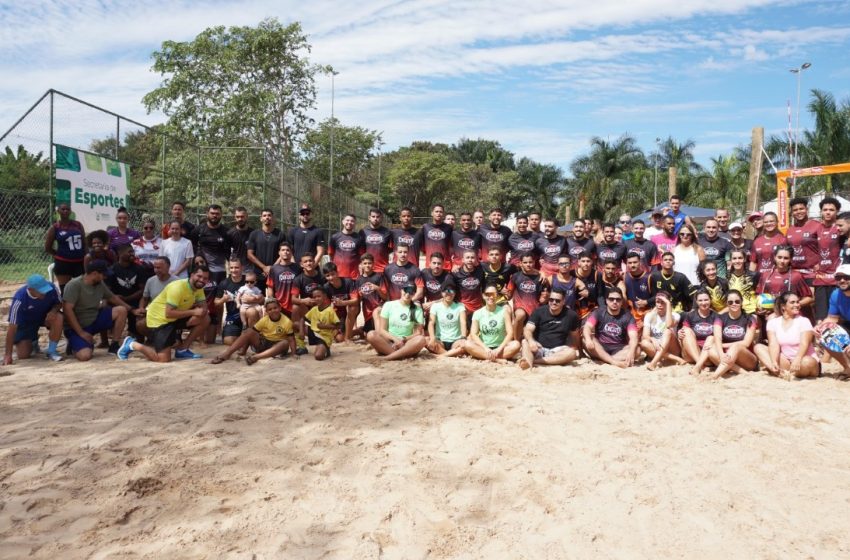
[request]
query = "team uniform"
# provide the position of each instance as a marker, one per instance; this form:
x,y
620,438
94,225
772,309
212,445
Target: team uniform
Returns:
x,y
116,238
281,280
610,251
342,292
550,250
717,293
469,287
397,277
272,332
804,240
494,238
498,278
526,290
637,288
824,282
368,290
746,284
703,327
762,251
70,252
645,249
447,322
377,242
303,285
568,287
716,251
612,331
491,325
344,251
401,236
464,241
592,282
677,285
434,238
522,245
734,330
576,246
774,283
434,284
317,335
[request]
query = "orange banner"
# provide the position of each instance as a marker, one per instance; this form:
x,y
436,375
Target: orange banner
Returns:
x,y
782,186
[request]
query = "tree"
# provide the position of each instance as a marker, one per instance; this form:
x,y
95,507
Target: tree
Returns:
x,y
724,187
142,150
542,186
489,189
829,142
487,152
21,170
253,83
419,179
603,178
353,153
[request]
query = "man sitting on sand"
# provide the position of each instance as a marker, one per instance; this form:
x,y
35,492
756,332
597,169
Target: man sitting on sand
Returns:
x,y
181,305
33,306
271,336
610,333
551,334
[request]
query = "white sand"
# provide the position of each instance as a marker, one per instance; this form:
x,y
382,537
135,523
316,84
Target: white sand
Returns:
x,y
421,459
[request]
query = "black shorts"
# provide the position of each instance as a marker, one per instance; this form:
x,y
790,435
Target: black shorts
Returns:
x,y
65,268
264,344
313,340
822,294
369,325
448,345
165,336
232,328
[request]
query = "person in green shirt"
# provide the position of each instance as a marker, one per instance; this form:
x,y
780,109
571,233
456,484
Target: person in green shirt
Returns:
x,y
321,323
447,325
181,305
399,334
492,334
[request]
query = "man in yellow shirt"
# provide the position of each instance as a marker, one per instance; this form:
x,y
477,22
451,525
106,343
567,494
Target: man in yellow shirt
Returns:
x,y
321,324
271,336
181,305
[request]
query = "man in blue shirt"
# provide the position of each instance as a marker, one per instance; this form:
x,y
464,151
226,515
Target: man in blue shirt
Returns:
x,y
34,305
679,216
839,314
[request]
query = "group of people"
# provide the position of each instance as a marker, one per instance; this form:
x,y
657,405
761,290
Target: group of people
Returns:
x,y
611,292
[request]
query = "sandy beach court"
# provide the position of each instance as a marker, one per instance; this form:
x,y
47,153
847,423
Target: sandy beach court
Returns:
x,y
431,458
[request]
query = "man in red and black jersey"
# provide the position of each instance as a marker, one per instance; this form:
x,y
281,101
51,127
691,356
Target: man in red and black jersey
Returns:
x,y
802,236
592,280
640,245
406,235
343,298
525,290
435,236
469,281
638,293
369,289
830,255
465,238
302,297
402,273
580,242
434,279
345,248
521,242
281,278
610,249
377,240
494,234
550,246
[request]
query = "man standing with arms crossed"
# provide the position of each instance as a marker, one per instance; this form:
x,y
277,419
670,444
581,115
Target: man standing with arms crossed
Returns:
x,y
263,245
377,240
435,236
306,237
345,249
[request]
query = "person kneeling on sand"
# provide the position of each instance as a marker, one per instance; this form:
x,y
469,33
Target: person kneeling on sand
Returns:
x,y
447,325
273,335
399,331
551,334
34,305
610,333
181,305
492,334
322,324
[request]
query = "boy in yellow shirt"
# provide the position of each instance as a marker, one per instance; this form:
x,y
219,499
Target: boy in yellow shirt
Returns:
x,y
321,324
271,336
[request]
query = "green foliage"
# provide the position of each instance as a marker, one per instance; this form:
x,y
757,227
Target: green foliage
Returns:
x,y
725,186
354,150
487,152
542,187
419,179
21,170
252,83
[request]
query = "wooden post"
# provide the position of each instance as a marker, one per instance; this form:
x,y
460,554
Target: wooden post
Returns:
x,y
756,159
671,181
567,214
581,206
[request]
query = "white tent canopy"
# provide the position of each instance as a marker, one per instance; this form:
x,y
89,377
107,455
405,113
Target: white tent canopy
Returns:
x,y
814,204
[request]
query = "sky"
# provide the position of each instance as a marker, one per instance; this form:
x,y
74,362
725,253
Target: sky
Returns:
x,y
541,77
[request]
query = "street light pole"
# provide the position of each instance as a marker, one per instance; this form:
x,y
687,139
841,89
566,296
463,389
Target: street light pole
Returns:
x,y
799,72
655,197
380,153
333,126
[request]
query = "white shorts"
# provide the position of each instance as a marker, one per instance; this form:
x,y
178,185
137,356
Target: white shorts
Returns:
x,y
546,352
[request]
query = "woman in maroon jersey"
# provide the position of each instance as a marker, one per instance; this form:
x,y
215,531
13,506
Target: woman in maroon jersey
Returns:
x,y
784,279
761,256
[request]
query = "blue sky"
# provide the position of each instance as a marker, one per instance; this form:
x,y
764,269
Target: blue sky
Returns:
x,y
542,77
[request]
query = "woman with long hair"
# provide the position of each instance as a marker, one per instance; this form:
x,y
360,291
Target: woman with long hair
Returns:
x,y
782,278
697,331
741,278
789,351
492,334
712,283
400,332
761,256
734,334
688,253
658,339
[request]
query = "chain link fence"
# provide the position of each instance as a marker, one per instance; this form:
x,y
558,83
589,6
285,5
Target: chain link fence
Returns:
x,y
164,169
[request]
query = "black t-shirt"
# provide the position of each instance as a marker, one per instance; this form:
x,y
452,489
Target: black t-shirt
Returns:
x,y
612,331
645,249
239,243
265,245
305,240
304,285
463,241
212,244
734,330
576,246
434,284
550,330
408,237
677,285
703,327
499,277
344,290
521,245
613,251
715,251
126,280
231,287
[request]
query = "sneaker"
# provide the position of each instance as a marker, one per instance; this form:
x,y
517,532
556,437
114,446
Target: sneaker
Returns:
x,y
126,348
54,356
186,355
113,347
301,351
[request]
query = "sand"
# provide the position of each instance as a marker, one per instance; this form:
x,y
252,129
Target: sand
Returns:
x,y
426,458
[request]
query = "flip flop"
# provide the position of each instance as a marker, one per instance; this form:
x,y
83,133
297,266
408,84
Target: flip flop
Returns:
x,y
250,360
217,360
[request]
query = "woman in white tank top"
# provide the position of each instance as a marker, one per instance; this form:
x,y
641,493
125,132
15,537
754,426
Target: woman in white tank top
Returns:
x,y
688,254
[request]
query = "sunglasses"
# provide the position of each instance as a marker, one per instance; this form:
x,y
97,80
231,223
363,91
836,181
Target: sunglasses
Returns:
x,y
842,278
305,212
250,281
147,227
555,300
734,301
490,294
615,299
564,263
624,221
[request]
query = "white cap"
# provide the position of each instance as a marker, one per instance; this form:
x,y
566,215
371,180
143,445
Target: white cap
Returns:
x,y
734,225
843,270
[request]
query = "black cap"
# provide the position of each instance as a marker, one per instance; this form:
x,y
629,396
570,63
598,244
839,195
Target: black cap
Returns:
x,y
97,265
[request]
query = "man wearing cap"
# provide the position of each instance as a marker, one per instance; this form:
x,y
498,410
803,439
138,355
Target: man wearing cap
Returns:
x,y
306,237
84,315
737,239
34,306
756,220
839,313
657,227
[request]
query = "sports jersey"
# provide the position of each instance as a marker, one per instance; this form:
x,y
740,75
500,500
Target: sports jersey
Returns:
x,y
469,286
401,319
637,288
433,238
265,245
274,331
610,251
341,292
327,315
368,290
344,251
762,251
116,238
645,249
576,246
717,293
447,321
27,310
703,327
305,240
463,241
830,249
804,240
179,295
434,284
522,244
678,220
746,284
281,279
146,250
592,282
397,277
491,325
69,242
498,278
493,237
377,242
401,236
525,290
612,331
303,285
734,330
663,244
566,287
552,331
715,251
212,244
550,250
775,282
677,285
238,239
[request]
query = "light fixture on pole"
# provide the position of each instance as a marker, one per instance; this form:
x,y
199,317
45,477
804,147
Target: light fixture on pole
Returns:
x,y
799,72
655,197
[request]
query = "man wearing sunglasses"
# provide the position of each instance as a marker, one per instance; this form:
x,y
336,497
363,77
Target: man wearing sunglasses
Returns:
x,y
610,333
306,237
839,314
551,335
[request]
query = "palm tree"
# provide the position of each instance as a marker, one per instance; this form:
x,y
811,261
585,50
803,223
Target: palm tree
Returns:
x,y
681,156
542,186
829,142
724,187
603,176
